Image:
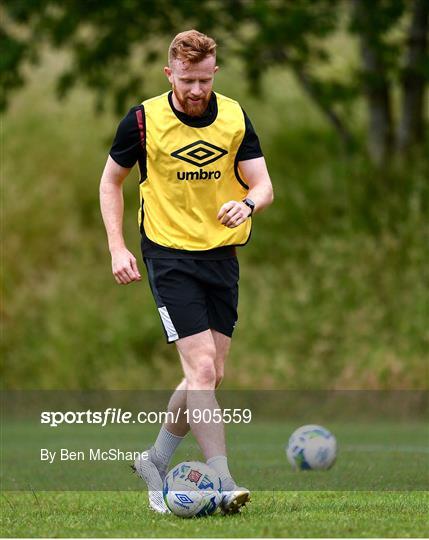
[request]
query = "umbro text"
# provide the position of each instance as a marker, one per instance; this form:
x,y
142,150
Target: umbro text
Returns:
x,y
198,175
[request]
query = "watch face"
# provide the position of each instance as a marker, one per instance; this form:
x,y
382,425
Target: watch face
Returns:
x,y
250,204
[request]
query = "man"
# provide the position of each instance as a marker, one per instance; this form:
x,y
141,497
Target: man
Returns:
x,y
203,176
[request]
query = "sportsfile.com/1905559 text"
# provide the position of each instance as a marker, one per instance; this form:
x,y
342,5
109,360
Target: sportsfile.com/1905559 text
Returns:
x,y
113,415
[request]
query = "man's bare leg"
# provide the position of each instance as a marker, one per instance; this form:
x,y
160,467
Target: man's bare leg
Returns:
x,y
222,344
203,357
172,432
237,497
170,436
198,356
177,404
178,399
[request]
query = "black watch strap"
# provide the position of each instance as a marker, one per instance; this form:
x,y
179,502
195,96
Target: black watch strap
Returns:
x,y
248,202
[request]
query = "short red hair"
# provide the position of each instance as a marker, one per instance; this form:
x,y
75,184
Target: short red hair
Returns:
x,y
191,46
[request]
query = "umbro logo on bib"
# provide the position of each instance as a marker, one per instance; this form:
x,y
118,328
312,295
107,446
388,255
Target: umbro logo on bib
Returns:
x,y
199,153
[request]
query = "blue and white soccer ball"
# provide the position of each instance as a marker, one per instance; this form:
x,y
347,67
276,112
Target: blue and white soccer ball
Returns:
x,y
311,447
192,489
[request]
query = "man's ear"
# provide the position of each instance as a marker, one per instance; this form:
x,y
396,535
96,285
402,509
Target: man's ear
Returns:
x,y
169,74
216,69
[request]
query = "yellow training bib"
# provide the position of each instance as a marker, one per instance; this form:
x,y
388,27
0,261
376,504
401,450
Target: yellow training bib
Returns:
x,y
191,173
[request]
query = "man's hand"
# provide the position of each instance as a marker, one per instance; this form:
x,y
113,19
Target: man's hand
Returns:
x,y
124,266
233,213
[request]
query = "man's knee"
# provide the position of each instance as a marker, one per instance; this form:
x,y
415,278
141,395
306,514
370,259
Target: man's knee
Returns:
x,y
203,376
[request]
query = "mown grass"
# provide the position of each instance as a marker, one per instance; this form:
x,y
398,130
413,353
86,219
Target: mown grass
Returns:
x,y
270,514
334,284
379,456
377,487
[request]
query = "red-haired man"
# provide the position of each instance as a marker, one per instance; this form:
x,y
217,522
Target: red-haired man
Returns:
x,y
202,177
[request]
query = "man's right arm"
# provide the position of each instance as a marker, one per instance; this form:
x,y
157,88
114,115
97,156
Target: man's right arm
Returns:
x,y
124,264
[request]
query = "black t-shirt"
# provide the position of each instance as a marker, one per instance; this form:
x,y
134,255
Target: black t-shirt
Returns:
x,y
127,150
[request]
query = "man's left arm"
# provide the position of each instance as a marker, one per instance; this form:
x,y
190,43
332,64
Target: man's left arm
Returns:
x,y
255,174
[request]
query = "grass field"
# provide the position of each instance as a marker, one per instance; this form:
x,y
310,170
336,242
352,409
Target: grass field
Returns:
x,y
270,514
378,487
372,456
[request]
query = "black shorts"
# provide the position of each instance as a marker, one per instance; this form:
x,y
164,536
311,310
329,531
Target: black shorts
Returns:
x,y
194,295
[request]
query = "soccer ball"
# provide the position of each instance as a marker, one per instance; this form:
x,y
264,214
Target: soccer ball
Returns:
x,y
192,489
311,448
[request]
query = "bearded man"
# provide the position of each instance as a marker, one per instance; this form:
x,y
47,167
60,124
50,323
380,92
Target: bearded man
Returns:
x,y
202,178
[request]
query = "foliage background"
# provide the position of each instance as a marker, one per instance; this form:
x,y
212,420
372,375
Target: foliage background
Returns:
x,y
334,284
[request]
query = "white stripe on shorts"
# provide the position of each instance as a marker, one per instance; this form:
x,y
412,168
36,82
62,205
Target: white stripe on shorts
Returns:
x,y
168,324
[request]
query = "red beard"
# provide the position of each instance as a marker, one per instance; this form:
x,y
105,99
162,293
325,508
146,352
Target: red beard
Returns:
x,y
190,108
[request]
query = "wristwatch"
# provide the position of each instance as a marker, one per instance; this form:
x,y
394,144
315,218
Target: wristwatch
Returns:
x,y
250,204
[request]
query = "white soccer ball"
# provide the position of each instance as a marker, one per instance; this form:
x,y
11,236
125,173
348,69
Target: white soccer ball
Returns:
x,y
311,447
192,489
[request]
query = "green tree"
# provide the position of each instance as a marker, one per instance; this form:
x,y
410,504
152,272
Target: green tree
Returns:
x,y
104,37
